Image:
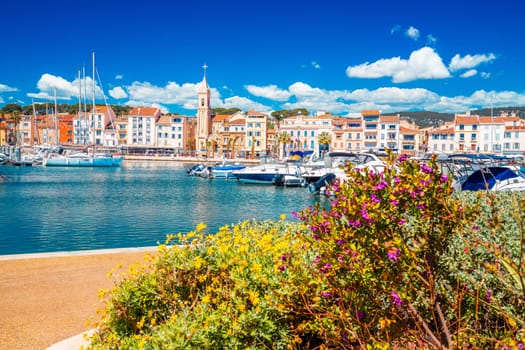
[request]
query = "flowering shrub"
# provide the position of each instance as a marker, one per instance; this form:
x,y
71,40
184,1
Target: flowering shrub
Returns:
x,y
383,252
207,292
397,260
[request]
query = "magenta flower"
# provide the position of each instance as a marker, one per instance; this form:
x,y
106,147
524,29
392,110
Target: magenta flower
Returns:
x,y
281,267
360,315
443,178
393,255
394,202
326,294
295,215
396,299
317,259
402,158
401,222
488,296
340,241
374,198
475,227
426,169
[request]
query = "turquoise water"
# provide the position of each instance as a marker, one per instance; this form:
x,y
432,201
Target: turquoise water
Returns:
x,y
70,209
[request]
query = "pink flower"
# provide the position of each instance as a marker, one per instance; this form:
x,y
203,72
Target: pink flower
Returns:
x,y
396,299
393,255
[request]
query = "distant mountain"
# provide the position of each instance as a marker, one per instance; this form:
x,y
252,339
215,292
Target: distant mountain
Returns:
x,y
426,119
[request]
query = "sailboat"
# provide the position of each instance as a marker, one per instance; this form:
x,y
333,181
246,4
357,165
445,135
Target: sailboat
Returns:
x,y
62,156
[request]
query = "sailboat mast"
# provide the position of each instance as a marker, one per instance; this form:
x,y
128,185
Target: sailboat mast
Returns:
x,y
94,125
35,125
56,117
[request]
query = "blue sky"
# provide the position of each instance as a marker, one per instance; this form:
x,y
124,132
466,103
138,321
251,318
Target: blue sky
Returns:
x,y
334,55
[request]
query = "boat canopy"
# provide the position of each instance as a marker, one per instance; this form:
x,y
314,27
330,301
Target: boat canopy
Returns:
x,y
486,178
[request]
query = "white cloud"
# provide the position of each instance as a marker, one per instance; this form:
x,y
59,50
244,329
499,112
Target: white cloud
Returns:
x,y
5,88
118,93
65,90
469,73
316,65
244,104
469,61
485,75
271,92
424,63
119,77
173,93
412,33
431,40
162,108
395,29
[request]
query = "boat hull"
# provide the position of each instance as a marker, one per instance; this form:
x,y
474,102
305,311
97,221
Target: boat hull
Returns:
x,y
83,162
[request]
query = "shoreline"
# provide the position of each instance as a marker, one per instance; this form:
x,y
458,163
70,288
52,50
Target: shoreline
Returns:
x,y
50,297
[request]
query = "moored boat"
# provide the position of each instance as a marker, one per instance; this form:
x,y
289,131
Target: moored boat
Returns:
x,y
264,173
289,180
225,170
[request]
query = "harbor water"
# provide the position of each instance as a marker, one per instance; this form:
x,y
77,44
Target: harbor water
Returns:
x,y
136,205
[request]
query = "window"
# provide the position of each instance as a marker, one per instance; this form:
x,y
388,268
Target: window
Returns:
x,y
461,127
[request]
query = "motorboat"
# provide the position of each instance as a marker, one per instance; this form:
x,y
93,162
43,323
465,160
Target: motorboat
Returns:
x,y
472,172
336,162
225,170
265,173
322,184
289,180
200,170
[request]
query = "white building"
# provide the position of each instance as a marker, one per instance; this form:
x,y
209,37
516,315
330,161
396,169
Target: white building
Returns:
x,y
170,131
305,130
142,126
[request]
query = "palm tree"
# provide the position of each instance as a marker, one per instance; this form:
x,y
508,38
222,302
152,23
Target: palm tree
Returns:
x,y
284,138
278,117
324,139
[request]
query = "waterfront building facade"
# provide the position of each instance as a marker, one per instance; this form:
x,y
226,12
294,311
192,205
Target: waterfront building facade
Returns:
x,y
370,129
142,126
65,129
170,131
255,138
388,133
305,130
98,119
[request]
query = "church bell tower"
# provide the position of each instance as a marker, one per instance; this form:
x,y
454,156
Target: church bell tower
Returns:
x,y
203,116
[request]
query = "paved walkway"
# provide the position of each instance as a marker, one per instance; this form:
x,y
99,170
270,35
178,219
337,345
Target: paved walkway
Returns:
x,y
48,298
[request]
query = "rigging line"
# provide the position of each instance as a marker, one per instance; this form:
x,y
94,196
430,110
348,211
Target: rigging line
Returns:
x,y
112,121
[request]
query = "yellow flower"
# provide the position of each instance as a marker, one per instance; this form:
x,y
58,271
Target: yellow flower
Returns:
x,y
199,262
200,227
254,297
206,299
282,216
140,323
